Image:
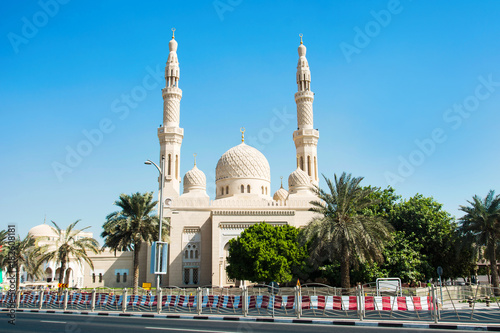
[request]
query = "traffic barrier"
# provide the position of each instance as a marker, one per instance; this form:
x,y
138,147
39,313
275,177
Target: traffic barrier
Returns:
x,y
391,303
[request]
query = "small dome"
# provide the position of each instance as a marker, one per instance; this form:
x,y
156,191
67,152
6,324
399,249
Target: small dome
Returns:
x,y
243,161
195,178
298,178
280,194
42,230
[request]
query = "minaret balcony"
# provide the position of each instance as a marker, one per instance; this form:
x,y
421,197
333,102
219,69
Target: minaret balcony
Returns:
x,y
304,94
310,133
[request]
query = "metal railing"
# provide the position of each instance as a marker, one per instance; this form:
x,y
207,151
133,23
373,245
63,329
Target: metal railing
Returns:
x,y
451,303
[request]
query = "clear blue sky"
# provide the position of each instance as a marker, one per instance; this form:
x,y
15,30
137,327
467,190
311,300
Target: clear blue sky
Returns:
x,y
380,87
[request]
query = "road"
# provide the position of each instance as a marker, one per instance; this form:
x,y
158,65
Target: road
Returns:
x,y
67,323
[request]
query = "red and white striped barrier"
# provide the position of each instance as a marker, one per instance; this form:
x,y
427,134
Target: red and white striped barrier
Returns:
x,y
80,299
178,300
264,302
329,303
226,302
388,303
137,300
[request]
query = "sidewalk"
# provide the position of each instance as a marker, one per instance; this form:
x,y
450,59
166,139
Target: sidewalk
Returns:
x,y
309,321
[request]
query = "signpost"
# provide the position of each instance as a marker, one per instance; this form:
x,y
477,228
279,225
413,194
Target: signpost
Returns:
x,y
440,272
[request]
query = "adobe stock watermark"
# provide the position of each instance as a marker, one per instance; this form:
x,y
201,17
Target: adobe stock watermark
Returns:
x,y
31,26
222,6
11,273
276,125
453,117
121,108
372,28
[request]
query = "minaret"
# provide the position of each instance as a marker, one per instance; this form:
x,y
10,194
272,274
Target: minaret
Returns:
x,y
305,137
170,134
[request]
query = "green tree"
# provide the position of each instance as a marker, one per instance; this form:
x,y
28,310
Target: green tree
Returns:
x,y
70,245
134,225
428,226
265,253
26,253
403,258
482,222
383,201
344,232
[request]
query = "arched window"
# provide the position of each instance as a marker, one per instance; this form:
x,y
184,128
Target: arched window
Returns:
x,y
93,277
124,277
100,277
169,167
222,191
315,169
186,254
227,189
309,165
301,163
248,188
176,166
117,277
262,187
196,254
191,254
242,188
266,190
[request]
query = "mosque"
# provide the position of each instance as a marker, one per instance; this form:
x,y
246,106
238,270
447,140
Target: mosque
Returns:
x,y
200,227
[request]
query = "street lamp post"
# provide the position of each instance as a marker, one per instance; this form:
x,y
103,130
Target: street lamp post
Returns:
x,y
158,253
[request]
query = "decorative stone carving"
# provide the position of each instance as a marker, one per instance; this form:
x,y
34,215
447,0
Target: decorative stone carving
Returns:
x,y
243,161
280,195
195,178
298,178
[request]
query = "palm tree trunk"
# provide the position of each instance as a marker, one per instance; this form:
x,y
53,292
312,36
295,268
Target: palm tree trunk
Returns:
x,y
61,273
494,269
345,281
18,277
137,248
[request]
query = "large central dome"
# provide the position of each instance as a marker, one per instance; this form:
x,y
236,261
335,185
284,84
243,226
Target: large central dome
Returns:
x,y
243,161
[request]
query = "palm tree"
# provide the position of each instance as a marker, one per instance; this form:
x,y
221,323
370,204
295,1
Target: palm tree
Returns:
x,y
482,222
343,232
70,245
3,237
27,254
132,226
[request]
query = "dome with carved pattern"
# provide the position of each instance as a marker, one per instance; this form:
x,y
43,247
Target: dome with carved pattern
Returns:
x,y
195,178
298,178
243,161
280,195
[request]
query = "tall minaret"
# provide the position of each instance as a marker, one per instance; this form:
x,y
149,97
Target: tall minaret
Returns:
x,y
170,134
305,137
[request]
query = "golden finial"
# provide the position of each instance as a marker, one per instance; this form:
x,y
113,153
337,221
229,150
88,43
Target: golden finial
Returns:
x,y
300,35
242,130
281,181
194,155
173,31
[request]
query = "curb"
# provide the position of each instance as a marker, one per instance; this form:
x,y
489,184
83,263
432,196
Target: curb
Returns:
x,y
278,320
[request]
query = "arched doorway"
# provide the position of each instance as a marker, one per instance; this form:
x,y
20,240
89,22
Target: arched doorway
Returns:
x,y
48,274
67,280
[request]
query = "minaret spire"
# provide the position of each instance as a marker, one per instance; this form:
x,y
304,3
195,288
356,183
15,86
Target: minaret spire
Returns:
x,y
305,137
170,134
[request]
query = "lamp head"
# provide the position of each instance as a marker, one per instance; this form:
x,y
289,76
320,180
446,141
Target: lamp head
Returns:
x,y
147,162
